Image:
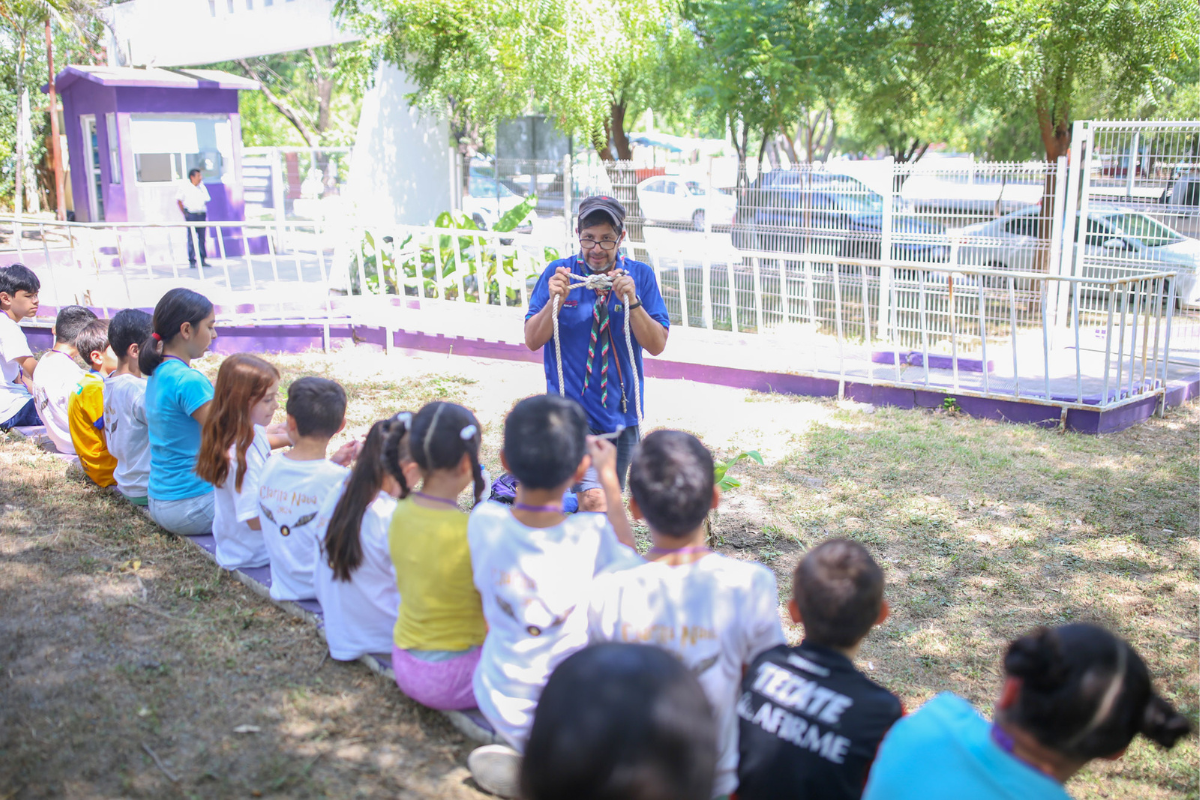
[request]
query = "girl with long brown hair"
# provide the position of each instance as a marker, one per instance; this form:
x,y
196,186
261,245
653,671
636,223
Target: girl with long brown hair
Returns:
x,y
354,579
234,446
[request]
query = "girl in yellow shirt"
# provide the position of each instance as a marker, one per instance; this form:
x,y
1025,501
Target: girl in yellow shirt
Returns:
x,y
440,625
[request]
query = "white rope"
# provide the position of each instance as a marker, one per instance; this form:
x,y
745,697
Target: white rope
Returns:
x,y
600,283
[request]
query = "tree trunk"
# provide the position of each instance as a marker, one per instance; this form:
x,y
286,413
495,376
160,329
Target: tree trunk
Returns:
x,y
60,196
325,83
1055,129
617,129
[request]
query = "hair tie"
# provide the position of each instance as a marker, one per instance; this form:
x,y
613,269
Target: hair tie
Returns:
x,y
468,433
156,337
404,418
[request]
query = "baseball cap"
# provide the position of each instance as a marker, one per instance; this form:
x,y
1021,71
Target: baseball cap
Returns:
x,y
605,205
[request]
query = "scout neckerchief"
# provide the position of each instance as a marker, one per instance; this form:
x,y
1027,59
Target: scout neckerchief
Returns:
x,y
599,336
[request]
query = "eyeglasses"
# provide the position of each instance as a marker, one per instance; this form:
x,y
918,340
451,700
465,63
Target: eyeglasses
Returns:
x,y
603,244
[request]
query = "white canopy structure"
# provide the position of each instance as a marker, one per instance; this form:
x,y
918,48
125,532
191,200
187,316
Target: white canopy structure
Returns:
x,y
402,165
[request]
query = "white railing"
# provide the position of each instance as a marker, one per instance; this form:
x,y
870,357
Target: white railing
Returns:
x,y
968,331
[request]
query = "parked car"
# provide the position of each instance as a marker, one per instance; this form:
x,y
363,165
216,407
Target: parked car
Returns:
x,y
487,201
669,198
829,214
1181,201
1116,242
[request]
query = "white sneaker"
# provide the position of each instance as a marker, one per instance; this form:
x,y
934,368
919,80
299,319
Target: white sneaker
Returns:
x,y
497,769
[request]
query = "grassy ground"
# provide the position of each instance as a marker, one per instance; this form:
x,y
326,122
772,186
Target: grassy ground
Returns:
x,y
114,638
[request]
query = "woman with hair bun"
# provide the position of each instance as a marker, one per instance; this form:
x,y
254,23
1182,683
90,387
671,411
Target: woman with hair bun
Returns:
x,y
1071,694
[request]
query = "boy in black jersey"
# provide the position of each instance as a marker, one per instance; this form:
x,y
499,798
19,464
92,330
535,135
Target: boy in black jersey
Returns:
x,y
809,722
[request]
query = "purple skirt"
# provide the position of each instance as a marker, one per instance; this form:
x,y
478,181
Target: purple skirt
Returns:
x,y
444,685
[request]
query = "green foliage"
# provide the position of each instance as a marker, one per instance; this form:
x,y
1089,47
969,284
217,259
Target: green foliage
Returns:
x,y
722,479
502,267
1055,56
76,32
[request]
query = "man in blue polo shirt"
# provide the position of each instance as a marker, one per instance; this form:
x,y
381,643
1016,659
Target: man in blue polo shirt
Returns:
x,y
599,375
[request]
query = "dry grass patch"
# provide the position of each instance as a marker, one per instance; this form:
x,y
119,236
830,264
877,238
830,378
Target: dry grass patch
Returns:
x,y
114,636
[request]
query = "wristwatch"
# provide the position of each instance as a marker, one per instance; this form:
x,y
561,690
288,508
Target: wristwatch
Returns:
x,y
637,304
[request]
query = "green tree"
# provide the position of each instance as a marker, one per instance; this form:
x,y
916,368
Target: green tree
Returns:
x,y
470,59
1056,56
74,30
317,92
748,67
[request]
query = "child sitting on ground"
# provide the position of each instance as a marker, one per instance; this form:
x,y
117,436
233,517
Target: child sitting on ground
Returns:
x,y
621,721
234,446
178,399
534,567
19,289
125,405
85,406
355,582
57,374
440,625
810,722
1071,694
716,614
294,484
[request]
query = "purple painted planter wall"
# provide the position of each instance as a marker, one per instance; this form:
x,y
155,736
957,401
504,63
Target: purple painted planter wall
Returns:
x,y
300,337
84,92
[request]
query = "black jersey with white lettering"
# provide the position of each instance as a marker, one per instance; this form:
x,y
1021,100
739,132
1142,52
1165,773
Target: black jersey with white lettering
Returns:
x,y
809,725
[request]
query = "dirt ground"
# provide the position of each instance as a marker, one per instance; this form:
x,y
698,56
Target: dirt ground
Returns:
x,y
131,666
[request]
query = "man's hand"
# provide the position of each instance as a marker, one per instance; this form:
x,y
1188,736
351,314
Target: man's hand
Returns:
x,y
559,285
624,287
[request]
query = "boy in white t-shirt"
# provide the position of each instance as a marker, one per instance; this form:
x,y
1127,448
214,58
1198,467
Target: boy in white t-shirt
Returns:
x,y
534,567
715,613
125,405
19,289
294,485
57,374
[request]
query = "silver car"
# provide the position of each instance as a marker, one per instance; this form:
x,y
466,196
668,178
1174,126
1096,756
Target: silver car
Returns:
x,y
1117,242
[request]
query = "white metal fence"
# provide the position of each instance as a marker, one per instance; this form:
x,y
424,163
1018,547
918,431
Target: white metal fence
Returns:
x,y
866,269
1133,207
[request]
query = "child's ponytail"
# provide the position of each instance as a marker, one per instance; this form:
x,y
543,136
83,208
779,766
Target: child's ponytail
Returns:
x,y
343,544
442,433
395,450
175,308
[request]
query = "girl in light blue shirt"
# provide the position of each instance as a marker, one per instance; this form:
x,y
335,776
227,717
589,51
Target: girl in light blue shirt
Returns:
x,y
178,399
1071,694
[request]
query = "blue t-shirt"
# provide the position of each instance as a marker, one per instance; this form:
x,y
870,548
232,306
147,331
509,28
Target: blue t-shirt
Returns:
x,y
173,393
945,751
575,333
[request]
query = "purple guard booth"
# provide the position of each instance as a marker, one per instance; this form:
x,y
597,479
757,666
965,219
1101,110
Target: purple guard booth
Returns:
x,y
134,134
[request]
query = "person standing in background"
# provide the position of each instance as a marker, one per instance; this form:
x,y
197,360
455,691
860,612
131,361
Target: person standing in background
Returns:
x,y
193,198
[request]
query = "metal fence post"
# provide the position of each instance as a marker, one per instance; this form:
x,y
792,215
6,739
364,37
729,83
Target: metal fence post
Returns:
x,y
1057,243
568,204
886,273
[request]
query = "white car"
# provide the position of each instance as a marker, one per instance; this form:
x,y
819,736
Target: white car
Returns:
x,y
669,198
1116,242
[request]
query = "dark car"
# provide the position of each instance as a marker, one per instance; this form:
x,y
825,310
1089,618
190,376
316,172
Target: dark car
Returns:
x,y
819,213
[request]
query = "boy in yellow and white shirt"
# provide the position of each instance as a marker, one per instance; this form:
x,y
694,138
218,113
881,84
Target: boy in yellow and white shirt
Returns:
x,y
85,406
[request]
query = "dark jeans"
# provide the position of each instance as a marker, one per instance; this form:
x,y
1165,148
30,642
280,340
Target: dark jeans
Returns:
x,y
625,444
199,234
26,417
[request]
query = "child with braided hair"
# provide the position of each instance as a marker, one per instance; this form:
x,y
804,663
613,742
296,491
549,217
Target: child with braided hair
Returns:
x,y
440,627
